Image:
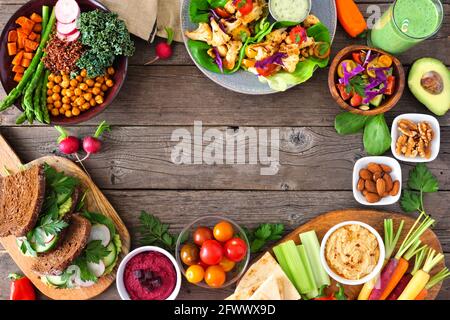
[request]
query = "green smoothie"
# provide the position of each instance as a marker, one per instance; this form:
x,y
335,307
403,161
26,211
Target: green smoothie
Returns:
x,y
405,24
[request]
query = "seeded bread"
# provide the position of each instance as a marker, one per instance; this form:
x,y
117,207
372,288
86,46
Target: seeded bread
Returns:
x,y
21,199
75,239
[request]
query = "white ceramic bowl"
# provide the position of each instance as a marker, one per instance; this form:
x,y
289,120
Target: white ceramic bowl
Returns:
x,y
120,283
276,18
337,277
417,117
396,174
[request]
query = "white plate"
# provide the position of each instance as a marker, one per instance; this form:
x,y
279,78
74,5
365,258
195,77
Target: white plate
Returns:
x,y
416,118
396,174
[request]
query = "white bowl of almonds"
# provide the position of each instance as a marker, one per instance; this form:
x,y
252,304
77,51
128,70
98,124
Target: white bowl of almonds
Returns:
x,y
415,137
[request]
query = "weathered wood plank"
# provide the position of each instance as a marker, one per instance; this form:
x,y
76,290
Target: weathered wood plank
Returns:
x,y
249,208
140,158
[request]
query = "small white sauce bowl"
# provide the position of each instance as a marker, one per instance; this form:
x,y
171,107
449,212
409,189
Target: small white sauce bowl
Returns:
x,y
396,174
277,19
121,270
337,277
416,118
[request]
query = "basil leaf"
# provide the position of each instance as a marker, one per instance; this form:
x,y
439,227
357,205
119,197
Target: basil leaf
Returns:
x,y
349,123
377,138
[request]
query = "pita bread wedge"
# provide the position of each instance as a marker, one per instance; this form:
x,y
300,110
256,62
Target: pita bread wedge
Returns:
x,y
269,290
258,274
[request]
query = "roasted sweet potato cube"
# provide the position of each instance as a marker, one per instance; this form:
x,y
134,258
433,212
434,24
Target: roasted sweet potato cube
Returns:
x,y
18,69
37,28
25,23
18,77
25,63
12,48
32,36
36,18
18,59
21,37
28,55
12,36
31,44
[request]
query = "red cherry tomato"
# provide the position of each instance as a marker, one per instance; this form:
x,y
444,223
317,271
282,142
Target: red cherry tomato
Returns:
x,y
343,92
235,249
267,70
211,252
222,12
298,34
215,276
356,100
202,234
390,85
223,231
244,6
357,57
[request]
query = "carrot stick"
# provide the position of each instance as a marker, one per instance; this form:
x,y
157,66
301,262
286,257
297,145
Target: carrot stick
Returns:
x,y
397,275
422,295
350,17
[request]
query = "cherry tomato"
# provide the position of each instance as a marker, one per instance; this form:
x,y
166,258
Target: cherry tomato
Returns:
x,y
195,274
343,92
298,34
350,65
357,57
356,100
235,249
202,234
223,231
226,264
267,70
215,276
211,252
244,6
390,85
189,254
385,61
222,12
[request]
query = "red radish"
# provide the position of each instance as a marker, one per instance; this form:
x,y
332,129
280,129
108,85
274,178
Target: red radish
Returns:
x,y
66,11
69,38
67,144
66,28
92,144
163,49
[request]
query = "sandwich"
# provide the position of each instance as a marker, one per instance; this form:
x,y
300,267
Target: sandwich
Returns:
x,y
71,247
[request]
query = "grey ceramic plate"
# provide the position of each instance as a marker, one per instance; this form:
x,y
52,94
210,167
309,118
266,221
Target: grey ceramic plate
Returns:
x,y
246,82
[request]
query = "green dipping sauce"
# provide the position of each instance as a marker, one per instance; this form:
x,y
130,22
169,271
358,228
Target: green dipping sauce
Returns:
x,y
405,24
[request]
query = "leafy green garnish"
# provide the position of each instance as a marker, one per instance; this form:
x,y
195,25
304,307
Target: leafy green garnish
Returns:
x,y
420,181
154,232
58,181
85,273
349,123
357,84
94,217
377,137
264,233
26,248
48,226
95,251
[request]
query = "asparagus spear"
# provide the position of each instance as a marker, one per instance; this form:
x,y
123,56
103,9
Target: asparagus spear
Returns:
x,y
37,101
44,109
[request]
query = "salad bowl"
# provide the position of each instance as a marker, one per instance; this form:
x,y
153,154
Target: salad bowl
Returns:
x,y
247,82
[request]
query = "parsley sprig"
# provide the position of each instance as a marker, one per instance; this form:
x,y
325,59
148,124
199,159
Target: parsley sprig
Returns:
x,y
420,181
154,232
264,233
358,85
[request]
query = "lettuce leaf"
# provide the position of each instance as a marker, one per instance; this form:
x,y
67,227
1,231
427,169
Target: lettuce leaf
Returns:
x,y
199,9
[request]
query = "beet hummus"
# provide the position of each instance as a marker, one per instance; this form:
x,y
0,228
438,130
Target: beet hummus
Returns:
x,y
149,276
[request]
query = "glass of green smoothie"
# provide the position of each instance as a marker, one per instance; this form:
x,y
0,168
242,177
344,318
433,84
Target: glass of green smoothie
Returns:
x,y
405,24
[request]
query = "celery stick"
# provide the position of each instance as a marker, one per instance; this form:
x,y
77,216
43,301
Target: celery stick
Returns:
x,y
296,267
282,262
309,273
312,247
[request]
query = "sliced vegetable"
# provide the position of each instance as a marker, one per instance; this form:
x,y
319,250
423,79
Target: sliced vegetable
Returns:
x,y
100,232
312,247
309,271
67,11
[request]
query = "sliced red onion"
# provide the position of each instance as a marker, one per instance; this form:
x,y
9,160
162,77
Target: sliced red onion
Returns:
x,y
348,75
368,58
218,59
214,14
221,26
277,59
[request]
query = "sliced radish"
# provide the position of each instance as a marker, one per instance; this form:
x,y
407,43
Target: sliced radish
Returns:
x,y
50,238
69,38
96,268
66,11
66,28
75,278
100,232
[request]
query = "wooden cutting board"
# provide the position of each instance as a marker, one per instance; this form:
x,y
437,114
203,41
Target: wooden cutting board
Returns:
x,y
375,219
95,201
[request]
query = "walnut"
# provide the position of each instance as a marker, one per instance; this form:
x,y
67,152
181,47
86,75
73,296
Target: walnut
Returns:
x,y
406,124
415,139
410,147
401,142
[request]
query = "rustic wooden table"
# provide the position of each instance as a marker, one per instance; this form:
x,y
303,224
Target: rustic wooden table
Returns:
x,y
136,173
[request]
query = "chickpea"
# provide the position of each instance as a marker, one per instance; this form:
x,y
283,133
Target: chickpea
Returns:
x,y
58,79
80,101
63,92
96,91
73,98
87,96
68,114
56,89
55,112
102,93
65,78
86,106
90,82
97,85
78,92
79,78
99,99
83,86
65,84
57,104
110,71
49,106
50,84
104,87
66,106
100,79
49,92
56,97
109,83
49,100
76,111
73,83
89,90
61,110
51,77
92,102
83,73
65,100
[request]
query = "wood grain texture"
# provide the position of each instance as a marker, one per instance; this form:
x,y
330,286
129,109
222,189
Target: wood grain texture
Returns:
x,y
95,201
375,219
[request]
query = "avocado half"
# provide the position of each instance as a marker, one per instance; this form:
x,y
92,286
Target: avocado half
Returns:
x,y
429,81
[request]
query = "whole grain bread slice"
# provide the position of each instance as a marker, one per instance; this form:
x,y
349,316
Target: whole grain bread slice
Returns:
x,y
21,199
75,240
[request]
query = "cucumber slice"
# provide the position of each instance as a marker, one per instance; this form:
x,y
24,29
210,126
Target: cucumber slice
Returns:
x,y
109,259
377,100
100,232
50,242
65,207
58,281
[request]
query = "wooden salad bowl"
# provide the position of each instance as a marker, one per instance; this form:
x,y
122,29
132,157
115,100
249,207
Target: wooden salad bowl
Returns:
x,y
388,103
6,76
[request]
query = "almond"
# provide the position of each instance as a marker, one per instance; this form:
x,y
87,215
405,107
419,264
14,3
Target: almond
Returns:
x,y
370,186
395,188
378,175
386,168
364,192
372,197
361,185
374,167
386,194
365,174
381,187
389,184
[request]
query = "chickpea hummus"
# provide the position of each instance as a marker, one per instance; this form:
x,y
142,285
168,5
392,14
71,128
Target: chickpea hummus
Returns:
x,y
352,252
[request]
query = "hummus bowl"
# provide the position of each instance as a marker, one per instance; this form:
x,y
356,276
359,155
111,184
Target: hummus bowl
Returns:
x,y
162,261
352,253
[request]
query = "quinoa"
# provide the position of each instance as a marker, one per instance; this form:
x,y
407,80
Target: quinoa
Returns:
x,y
61,56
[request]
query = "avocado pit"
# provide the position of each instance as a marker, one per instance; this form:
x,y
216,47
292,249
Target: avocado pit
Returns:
x,y
432,82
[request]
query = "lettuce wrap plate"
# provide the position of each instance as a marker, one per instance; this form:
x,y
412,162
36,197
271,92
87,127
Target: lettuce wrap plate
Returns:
x,y
248,83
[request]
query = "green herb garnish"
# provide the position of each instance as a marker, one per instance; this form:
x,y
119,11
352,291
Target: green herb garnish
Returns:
x,y
420,181
154,232
95,251
357,84
264,233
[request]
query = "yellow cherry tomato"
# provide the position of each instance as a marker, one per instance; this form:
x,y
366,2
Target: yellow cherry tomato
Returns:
x,y
195,273
223,231
350,65
385,61
215,276
226,264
